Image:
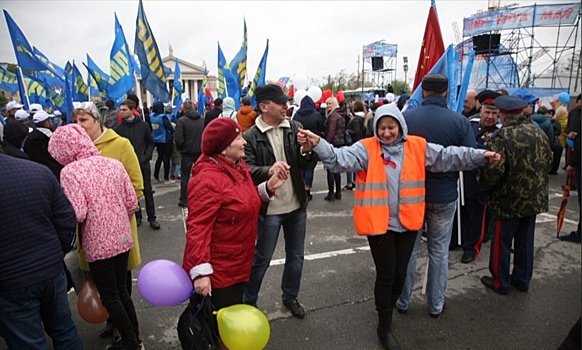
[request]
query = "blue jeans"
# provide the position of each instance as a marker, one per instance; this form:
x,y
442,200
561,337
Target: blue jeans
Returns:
x,y
293,224
24,312
439,219
350,178
307,175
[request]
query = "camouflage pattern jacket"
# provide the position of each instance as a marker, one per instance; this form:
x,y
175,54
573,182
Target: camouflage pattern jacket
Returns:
x,y
518,184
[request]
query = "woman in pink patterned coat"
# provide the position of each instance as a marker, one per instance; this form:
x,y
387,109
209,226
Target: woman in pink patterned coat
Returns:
x,y
103,198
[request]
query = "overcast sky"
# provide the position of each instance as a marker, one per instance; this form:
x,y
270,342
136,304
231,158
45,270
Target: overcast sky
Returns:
x,y
316,38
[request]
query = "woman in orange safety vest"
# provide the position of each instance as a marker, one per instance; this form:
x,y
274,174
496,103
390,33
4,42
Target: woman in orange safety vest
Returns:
x,y
389,198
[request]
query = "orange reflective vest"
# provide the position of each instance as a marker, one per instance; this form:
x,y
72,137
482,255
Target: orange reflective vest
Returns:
x,y
371,209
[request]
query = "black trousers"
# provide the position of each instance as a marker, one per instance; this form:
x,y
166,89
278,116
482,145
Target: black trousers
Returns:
x,y
148,193
472,232
391,253
185,170
227,296
557,155
334,178
164,155
110,278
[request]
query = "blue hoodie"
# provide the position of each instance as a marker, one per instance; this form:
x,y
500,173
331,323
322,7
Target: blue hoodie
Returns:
x,y
438,159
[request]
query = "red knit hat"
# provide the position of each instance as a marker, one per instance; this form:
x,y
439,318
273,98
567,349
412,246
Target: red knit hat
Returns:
x,y
218,135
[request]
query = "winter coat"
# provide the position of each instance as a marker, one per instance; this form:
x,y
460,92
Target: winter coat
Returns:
x,y
188,134
310,118
111,118
222,222
335,127
37,223
102,207
14,135
111,145
245,117
518,184
139,135
545,125
212,114
36,146
356,127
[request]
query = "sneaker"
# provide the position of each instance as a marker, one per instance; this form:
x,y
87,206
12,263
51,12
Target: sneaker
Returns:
x,y
438,314
295,308
423,236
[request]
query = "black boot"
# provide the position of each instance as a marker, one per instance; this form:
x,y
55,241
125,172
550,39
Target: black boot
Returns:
x,y
309,196
384,330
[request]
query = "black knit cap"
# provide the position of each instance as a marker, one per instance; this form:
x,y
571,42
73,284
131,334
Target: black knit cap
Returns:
x,y
270,92
435,83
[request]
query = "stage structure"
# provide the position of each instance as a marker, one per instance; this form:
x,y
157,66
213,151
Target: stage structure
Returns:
x,y
379,61
523,46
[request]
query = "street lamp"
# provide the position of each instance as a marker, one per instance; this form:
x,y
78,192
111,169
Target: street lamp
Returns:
x,y
405,60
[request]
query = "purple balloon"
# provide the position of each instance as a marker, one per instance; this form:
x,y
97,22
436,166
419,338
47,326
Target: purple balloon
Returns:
x,y
164,283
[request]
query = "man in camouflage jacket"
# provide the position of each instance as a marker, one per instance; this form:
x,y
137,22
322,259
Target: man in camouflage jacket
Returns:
x,y
518,191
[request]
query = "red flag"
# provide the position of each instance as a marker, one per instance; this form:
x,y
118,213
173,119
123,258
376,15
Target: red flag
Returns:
x,y
432,47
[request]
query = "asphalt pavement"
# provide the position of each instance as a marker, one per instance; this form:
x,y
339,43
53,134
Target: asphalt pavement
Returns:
x,y
338,281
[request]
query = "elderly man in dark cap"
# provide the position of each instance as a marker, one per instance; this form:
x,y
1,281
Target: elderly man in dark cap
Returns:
x,y
437,124
472,232
518,191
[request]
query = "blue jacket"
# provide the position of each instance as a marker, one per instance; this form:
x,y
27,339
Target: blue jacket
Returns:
x,y
437,124
162,129
37,223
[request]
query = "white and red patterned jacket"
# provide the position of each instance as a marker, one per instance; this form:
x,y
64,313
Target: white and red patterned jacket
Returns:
x,y
99,190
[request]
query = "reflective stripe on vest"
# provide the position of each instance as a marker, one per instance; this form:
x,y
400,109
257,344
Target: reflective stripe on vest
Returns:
x,y
371,209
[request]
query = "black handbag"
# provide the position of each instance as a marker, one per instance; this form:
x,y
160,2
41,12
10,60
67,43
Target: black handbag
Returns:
x,y
197,329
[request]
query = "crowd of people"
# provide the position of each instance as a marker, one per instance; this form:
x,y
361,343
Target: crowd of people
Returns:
x,y
252,170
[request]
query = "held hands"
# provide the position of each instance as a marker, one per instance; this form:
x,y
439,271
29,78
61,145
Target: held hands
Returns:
x,y
493,157
202,286
307,140
281,169
277,179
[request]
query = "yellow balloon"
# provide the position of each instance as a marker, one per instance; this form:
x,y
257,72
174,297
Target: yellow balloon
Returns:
x,y
243,327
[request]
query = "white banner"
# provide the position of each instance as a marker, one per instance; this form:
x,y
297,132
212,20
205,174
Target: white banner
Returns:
x,y
521,17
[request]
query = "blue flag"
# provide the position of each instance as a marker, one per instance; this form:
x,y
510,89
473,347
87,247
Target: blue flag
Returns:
x,y
227,80
153,74
68,106
53,68
178,90
69,75
465,84
22,49
238,65
80,89
101,80
22,91
260,76
51,79
35,89
121,73
56,100
8,80
444,66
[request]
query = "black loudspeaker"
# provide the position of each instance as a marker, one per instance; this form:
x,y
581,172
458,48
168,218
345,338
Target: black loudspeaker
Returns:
x,y
377,63
486,43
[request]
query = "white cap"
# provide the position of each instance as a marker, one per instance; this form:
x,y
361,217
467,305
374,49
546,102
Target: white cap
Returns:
x,y
40,117
13,105
21,115
35,107
57,113
323,105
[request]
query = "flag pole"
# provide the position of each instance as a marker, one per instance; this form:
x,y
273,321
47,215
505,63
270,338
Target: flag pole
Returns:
x,y
25,89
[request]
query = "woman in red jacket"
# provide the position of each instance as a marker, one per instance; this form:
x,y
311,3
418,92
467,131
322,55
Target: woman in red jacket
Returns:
x,y
223,212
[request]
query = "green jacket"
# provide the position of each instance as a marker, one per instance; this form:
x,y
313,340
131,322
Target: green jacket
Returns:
x,y
518,184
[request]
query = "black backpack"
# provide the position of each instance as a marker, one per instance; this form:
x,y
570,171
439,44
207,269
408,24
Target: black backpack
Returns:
x,y
197,329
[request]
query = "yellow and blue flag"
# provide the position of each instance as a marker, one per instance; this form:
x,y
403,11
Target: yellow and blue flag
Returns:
x,y
238,65
22,91
57,101
201,94
153,72
99,80
121,72
35,90
22,49
80,89
260,76
53,68
8,80
227,82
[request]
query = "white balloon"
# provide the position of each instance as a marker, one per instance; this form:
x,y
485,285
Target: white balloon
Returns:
x,y
299,95
300,81
315,93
